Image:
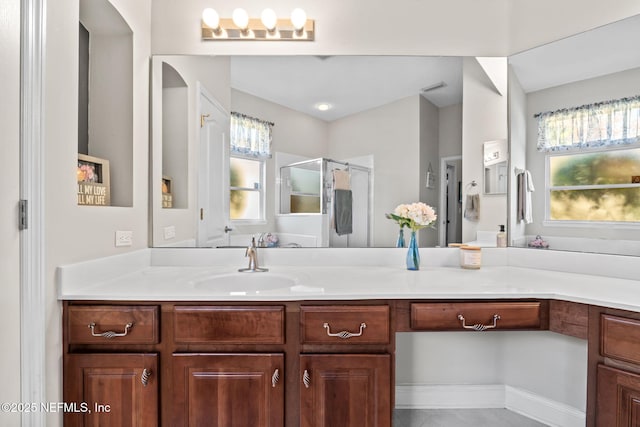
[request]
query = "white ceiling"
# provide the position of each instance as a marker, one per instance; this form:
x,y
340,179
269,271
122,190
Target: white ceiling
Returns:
x,y
349,83
604,50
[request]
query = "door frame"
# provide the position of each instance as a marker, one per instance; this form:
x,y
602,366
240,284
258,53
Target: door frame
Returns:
x,y
32,239
443,188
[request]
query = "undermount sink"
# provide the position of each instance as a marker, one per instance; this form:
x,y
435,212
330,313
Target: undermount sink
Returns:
x,y
245,283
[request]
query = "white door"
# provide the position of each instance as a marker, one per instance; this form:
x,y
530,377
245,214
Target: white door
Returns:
x,y
213,176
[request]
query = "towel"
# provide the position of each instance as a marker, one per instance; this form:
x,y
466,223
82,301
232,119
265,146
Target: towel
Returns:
x,y
525,188
472,207
341,180
342,214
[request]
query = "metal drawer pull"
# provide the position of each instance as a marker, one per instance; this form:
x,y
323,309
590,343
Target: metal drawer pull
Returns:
x,y
479,326
144,378
345,334
275,378
306,378
110,334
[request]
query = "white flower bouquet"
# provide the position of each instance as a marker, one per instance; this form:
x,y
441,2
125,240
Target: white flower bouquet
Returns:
x,y
414,215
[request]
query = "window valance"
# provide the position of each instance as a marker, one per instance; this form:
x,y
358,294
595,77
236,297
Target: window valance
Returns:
x,y
600,124
250,136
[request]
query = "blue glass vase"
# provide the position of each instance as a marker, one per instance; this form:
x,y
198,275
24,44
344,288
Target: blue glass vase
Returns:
x,y
413,255
400,241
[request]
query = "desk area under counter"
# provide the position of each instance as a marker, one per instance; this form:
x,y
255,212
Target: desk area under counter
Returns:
x,y
339,319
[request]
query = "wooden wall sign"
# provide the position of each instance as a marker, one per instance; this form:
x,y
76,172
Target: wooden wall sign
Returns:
x,y
93,181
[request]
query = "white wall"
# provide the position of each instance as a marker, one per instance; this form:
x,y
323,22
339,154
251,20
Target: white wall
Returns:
x,y
428,157
391,133
75,233
613,86
484,118
450,131
359,27
9,194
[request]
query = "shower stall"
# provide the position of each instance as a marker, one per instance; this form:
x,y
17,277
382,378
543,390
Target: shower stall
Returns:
x,y
326,198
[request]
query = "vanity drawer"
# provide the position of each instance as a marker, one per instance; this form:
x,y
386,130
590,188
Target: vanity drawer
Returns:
x,y
477,316
620,338
338,324
229,324
113,324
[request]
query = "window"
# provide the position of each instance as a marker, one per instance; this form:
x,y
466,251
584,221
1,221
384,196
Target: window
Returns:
x,y
596,186
250,147
246,195
597,180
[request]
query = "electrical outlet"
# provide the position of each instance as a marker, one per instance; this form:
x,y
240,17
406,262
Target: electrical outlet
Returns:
x,y
170,232
124,238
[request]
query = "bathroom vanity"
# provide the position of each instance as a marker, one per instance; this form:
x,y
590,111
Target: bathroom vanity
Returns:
x,y
320,351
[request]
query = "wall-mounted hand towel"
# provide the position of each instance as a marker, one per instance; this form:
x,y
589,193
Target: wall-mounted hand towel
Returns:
x,y
472,207
341,180
343,211
525,188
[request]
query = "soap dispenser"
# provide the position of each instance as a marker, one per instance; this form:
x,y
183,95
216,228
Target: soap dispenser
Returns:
x,y
501,237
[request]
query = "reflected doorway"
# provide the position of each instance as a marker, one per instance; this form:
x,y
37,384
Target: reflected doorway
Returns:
x,y
450,200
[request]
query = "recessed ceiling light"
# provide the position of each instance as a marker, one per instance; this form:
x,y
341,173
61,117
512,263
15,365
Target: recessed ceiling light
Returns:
x,y
323,106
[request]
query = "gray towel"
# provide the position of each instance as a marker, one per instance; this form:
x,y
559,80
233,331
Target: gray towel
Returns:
x,y
342,211
525,187
472,207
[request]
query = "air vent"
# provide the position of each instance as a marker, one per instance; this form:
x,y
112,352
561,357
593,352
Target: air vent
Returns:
x,y
433,87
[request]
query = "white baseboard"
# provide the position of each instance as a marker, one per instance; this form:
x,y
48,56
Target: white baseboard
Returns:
x,y
539,408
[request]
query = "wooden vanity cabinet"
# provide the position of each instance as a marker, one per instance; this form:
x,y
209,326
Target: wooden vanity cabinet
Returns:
x,y
614,368
110,365
346,366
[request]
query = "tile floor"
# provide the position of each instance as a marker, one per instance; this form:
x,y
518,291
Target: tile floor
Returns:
x,y
461,418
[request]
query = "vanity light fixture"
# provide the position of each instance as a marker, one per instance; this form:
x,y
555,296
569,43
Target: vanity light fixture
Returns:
x,y
267,27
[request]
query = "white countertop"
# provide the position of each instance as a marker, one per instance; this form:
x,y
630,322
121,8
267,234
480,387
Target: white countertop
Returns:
x,y
311,275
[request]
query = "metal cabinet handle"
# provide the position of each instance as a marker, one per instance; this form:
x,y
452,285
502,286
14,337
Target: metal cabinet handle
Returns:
x,y
144,378
479,326
344,334
110,334
275,378
306,379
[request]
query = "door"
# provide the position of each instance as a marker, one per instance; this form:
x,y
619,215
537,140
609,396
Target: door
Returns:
x,y
228,390
213,181
618,398
116,390
345,390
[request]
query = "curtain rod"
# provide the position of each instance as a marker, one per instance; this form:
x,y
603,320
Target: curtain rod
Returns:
x,y
244,116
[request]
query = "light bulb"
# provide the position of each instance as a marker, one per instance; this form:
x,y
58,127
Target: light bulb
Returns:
x,y
269,19
323,106
298,19
211,18
240,18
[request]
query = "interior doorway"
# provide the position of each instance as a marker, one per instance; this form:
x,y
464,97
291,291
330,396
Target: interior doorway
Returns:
x,y
450,200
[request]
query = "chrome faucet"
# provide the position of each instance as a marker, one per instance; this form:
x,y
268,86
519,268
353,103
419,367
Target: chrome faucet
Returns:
x,y
252,254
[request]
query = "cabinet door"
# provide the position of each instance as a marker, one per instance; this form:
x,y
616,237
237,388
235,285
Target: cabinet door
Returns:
x,y
116,390
228,390
618,399
345,390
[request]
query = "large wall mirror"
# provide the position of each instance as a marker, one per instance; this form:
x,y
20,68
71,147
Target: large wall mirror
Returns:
x,y
392,124
585,70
